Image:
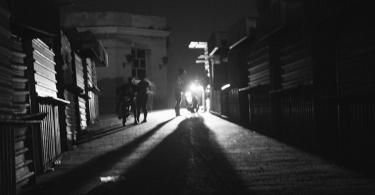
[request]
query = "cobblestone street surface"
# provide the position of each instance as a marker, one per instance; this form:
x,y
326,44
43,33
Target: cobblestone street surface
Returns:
x,y
202,154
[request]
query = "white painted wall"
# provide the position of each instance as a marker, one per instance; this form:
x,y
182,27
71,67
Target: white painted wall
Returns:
x,y
119,32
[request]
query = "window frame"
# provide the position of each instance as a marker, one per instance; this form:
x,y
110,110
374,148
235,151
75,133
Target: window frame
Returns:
x,y
139,62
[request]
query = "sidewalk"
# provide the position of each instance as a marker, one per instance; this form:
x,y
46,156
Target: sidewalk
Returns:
x,y
104,125
104,121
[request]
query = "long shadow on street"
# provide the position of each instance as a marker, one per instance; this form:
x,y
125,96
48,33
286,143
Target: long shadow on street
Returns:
x,y
69,182
187,161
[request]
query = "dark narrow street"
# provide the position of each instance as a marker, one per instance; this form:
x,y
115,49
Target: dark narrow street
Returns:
x,y
288,88
196,155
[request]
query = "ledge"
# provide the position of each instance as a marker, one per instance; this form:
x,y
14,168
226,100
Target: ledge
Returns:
x,y
94,89
244,89
73,89
53,100
19,122
84,96
125,30
35,116
300,87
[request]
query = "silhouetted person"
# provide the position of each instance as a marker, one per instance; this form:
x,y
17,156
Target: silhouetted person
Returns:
x,y
142,97
129,90
178,88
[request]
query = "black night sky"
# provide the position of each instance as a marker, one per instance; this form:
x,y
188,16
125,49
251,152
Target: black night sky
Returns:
x,y
193,20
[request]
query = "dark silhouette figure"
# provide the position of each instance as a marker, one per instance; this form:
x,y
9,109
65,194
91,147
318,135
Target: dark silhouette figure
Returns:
x,y
142,97
178,88
127,93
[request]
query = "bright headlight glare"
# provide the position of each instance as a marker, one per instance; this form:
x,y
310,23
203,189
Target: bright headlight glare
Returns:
x,y
193,87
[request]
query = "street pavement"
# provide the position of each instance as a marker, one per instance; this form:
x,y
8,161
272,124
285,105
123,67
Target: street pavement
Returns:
x,y
194,154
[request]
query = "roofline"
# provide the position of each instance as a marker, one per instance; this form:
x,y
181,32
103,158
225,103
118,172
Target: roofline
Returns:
x,y
125,30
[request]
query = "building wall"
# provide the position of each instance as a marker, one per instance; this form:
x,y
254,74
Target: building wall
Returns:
x,y
119,33
89,19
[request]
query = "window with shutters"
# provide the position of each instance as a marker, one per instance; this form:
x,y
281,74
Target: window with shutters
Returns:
x,y
139,62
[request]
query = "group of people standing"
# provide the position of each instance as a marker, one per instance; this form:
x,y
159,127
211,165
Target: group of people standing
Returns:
x,y
137,97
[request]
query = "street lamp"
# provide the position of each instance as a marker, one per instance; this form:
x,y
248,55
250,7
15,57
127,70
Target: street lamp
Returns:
x,y
202,59
198,45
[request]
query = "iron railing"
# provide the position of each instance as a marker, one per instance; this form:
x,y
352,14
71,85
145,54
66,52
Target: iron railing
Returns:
x,y
50,135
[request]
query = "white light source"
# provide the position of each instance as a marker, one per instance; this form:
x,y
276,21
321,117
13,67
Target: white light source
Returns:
x,y
193,44
197,45
193,87
225,86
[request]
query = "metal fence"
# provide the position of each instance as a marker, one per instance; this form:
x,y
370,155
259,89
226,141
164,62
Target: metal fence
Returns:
x,y
298,117
356,135
215,100
260,111
50,135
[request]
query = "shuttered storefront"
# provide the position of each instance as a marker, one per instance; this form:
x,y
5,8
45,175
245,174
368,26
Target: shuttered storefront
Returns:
x,y
71,119
296,63
23,135
81,85
43,72
91,103
259,67
259,84
215,101
17,159
81,56
295,105
356,86
234,104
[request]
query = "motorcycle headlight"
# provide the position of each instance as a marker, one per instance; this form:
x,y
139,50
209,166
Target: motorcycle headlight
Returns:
x,y
188,94
193,87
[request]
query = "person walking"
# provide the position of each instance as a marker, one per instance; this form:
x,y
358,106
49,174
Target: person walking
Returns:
x,y
127,91
142,97
178,88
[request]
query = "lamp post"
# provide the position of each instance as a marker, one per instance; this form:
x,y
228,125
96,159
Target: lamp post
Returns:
x,y
202,59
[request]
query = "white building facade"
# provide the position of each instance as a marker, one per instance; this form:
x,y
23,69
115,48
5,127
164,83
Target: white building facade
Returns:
x,y
135,44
